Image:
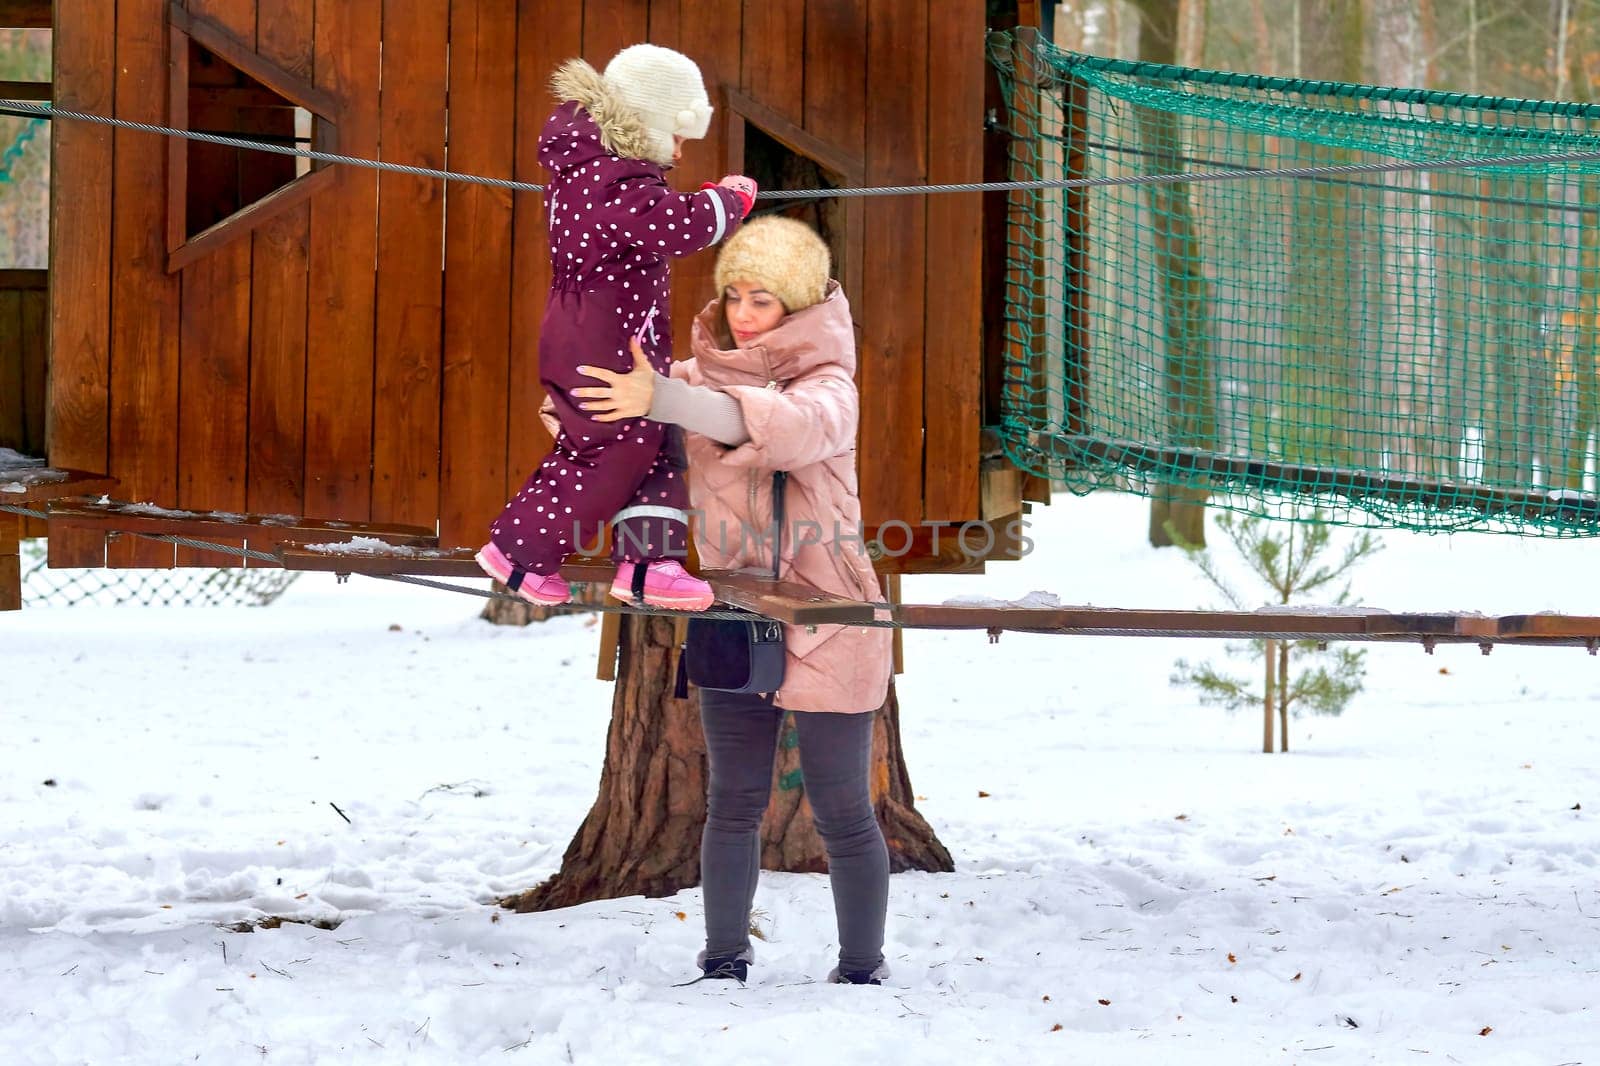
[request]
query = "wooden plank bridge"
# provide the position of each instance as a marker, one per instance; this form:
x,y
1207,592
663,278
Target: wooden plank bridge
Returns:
x,y
391,550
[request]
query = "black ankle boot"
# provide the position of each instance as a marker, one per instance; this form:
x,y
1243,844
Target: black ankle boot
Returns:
x,y
726,968
735,967
873,976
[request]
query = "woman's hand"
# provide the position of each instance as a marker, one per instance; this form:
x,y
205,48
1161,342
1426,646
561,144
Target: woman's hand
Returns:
x,y
624,395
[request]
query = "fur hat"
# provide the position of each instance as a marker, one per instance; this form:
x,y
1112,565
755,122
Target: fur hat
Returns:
x,y
666,91
784,256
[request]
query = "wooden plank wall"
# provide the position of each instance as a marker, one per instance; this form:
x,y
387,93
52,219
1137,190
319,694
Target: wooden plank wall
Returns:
x,y
84,64
214,338
373,355
280,273
23,345
478,269
24,348
145,330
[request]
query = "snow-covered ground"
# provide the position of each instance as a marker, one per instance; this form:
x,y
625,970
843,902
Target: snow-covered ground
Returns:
x,y
1415,883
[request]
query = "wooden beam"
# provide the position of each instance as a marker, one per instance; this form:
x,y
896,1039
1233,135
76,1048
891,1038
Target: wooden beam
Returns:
x,y
848,166
784,600
24,280
263,532
234,97
797,605
900,548
36,484
221,43
943,548
10,562
891,591
1286,625
249,219
780,600
952,270
26,14
610,639
38,91
81,162
177,147
420,562
1001,488
1551,628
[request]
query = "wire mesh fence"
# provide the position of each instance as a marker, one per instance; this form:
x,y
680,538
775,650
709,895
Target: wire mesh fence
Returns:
x,y
228,587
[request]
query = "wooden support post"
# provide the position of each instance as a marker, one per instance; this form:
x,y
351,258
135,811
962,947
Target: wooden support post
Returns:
x,y
25,14
37,91
10,562
891,587
610,634
1001,489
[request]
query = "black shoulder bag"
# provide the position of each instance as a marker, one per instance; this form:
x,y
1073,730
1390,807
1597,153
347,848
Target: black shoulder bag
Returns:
x,y
738,654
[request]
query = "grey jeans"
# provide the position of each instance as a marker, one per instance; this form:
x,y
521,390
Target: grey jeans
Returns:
x,y
835,762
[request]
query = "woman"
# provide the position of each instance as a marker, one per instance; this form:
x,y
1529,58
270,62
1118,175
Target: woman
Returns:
x,y
770,387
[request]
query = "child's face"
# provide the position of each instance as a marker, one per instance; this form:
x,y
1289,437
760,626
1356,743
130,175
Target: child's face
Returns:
x,y
751,311
677,149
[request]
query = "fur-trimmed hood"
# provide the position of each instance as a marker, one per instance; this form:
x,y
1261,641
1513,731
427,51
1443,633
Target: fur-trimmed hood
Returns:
x,y
622,132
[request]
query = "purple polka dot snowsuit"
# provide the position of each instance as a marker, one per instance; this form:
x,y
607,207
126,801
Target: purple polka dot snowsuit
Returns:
x,y
614,223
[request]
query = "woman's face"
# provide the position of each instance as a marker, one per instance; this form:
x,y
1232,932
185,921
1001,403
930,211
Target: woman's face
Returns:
x,y
751,311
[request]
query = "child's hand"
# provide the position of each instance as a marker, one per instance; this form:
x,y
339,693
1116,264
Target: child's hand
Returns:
x,y
624,395
745,187
547,416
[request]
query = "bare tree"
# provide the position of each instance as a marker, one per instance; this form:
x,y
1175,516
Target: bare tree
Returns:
x,y
1326,257
1188,383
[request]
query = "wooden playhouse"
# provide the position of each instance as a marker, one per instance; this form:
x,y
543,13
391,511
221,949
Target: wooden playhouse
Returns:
x,y
234,333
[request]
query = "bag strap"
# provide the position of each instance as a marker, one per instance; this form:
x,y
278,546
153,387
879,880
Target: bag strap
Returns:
x,y
780,478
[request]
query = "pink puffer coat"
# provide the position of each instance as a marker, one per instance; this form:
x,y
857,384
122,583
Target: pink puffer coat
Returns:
x,y
800,404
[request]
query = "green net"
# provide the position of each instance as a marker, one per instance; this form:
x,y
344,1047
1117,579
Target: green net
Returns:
x,y
1414,349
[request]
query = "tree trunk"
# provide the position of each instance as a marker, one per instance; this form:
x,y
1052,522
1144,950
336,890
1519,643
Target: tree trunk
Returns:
x,y
642,836
1326,333
1192,17
1283,695
1269,695
1187,374
1185,509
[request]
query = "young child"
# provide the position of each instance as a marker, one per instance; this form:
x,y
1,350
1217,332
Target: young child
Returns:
x,y
614,224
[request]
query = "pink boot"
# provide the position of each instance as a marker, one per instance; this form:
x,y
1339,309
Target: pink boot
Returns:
x,y
547,591
666,584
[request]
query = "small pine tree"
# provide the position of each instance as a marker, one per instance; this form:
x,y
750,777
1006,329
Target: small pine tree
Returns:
x,y
1290,564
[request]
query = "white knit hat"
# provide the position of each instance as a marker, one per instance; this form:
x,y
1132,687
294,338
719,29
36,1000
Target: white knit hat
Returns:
x,y
666,90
